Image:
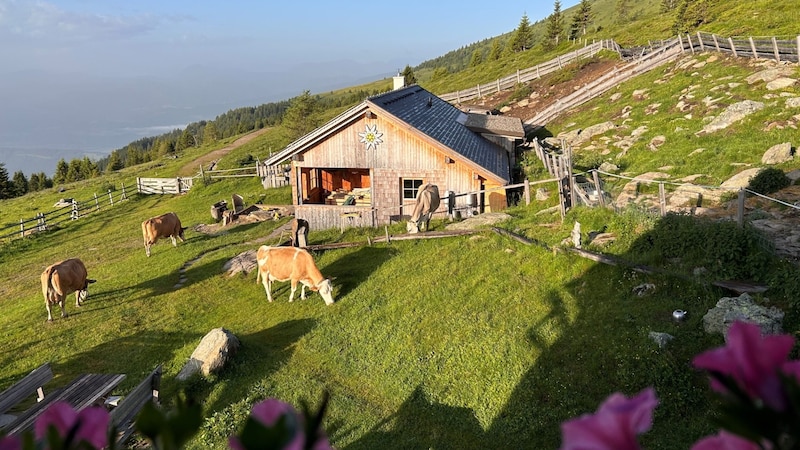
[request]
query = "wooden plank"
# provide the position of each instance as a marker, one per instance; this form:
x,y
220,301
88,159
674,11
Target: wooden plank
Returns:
x,y
81,393
124,415
741,287
24,388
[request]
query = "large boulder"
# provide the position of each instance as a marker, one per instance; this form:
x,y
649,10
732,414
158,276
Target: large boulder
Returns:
x,y
216,349
777,154
742,308
731,115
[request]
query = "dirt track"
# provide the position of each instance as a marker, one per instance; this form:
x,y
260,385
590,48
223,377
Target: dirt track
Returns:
x,y
192,167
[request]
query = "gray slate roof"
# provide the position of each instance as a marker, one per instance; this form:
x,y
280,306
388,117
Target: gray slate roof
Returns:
x,y
444,123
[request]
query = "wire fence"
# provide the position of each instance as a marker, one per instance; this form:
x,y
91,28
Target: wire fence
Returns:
x,y
68,210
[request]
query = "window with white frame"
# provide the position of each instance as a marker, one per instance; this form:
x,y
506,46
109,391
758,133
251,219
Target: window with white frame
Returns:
x,y
411,187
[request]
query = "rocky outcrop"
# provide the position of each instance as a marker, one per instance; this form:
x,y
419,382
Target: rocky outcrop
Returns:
x,y
216,349
778,154
731,309
731,115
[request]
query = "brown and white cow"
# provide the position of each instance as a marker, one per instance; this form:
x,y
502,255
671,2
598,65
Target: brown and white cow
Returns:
x,y
427,203
291,264
61,279
165,225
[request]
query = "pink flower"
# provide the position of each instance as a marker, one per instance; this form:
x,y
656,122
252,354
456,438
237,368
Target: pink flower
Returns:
x,y
725,441
10,443
269,411
614,426
91,423
753,362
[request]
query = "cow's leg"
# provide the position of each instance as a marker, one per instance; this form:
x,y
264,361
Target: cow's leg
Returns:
x,y
174,241
78,298
294,289
267,285
49,313
63,309
303,292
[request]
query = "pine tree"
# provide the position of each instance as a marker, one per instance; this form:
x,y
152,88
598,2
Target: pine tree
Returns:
x,y
210,133
581,20
60,177
555,25
302,116
497,50
19,184
114,162
5,185
33,183
476,59
408,75
522,39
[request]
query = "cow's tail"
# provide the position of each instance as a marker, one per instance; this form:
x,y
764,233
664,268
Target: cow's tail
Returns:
x,y
49,289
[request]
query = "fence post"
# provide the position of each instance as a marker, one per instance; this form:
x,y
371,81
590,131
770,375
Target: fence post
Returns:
x,y
527,192
21,228
691,46
202,174
775,46
740,208
138,185
662,199
42,222
123,196
601,197
178,182
733,47
700,39
753,46
518,79
75,213
798,48
716,44
110,197
96,203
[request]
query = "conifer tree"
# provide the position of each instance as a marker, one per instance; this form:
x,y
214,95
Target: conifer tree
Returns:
x,y
476,59
408,75
555,25
19,184
581,20
302,116
60,177
522,39
497,50
5,185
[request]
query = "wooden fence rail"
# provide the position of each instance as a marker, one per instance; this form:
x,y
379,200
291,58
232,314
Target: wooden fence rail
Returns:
x,y
531,73
71,210
176,185
743,47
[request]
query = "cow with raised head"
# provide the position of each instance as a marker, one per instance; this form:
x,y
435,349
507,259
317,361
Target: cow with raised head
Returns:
x,y
163,226
61,279
427,202
291,264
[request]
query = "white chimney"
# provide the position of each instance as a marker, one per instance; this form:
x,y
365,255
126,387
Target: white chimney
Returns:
x,y
399,81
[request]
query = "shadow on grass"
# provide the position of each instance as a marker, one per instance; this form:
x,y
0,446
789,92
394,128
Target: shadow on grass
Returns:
x,y
421,423
351,268
261,354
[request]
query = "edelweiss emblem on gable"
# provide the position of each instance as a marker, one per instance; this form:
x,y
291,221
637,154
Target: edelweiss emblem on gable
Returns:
x,y
371,137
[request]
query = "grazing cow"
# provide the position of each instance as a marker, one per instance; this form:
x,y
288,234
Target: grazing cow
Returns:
x,y
62,279
165,225
295,264
427,203
299,232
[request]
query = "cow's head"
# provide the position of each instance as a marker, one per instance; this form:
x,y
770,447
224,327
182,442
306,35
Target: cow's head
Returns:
x,y
326,291
85,291
412,227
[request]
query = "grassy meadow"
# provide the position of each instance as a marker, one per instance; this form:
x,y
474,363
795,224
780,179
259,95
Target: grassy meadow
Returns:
x,y
465,342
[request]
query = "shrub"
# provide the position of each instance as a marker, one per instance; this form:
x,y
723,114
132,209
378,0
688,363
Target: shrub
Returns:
x,y
769,180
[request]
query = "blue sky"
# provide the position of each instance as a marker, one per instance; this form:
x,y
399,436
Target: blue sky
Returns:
x,y
89,76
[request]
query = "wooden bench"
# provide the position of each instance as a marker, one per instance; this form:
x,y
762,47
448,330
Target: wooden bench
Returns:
x,y
84,391
32,383
124,416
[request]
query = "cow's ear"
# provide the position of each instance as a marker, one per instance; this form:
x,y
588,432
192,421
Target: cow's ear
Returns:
x,y
89,280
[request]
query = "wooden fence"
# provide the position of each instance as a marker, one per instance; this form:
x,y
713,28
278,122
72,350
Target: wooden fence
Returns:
x,y
68,210
761,48
163,185
531,73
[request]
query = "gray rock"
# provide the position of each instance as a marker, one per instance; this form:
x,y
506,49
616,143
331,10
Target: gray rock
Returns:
x,y
778,154
780,83
216,349
661,339
741,179
732,114
608,167
591,131
542,194
243,262
731,309
793,102
643,289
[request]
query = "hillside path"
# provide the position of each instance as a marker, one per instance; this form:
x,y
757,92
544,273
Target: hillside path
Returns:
x,y
194,166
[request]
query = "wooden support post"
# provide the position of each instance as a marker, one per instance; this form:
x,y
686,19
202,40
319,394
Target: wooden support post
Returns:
x,y
202,174
139,185
753,47
662,199
573,196
775,47
21,228
123,196
96,202
386,230
110,198
680,39
527,192
700,39
600,196
518,78
689,39
716,44
479,91
733,47
740,207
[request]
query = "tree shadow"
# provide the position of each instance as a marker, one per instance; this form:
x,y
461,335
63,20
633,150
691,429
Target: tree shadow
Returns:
x,y
421,423
352,268
260,354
